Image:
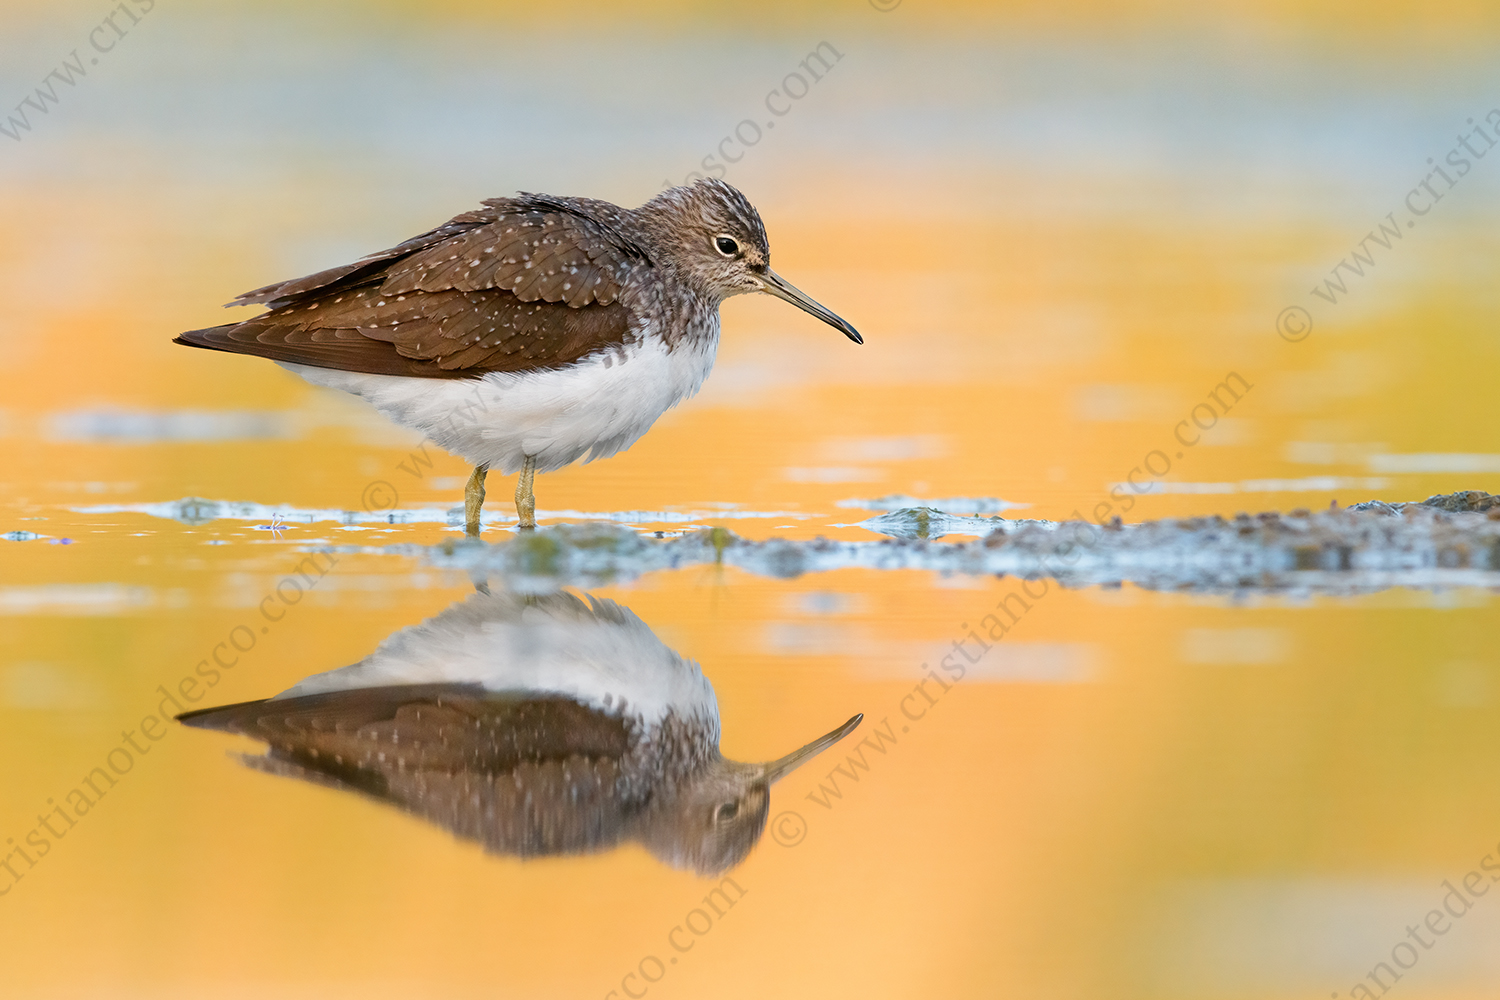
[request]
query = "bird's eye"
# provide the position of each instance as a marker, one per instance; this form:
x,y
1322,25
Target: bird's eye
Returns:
x,y
726,812
726,245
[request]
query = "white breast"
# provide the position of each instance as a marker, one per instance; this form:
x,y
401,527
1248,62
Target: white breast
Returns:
x,y
590,409
599,654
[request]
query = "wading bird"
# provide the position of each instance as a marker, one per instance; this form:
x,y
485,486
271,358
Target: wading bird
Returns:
x,y
530,333
535,725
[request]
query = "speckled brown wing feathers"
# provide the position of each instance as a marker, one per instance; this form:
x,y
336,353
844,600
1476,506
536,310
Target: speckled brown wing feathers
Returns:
x,y
520,284
526,776
283,292
536,254
422,727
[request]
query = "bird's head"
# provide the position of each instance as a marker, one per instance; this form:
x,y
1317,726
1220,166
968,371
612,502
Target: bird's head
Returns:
x,y
712,237
712,822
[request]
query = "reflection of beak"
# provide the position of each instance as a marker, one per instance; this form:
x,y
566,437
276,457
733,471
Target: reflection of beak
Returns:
x,y
778,286
778,769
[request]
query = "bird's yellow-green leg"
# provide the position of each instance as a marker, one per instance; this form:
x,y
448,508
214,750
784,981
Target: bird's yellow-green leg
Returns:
x,y
474,500
525,499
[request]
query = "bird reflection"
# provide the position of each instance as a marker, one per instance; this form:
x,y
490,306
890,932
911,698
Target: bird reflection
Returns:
x,y
535,725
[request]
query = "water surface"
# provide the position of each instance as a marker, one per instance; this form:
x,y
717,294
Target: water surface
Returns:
x,y
1197,765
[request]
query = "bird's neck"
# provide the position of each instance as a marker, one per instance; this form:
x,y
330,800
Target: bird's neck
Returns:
x,y
659,226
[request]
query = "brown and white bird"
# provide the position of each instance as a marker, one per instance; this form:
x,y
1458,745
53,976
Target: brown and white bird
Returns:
x,y
530,333
537,725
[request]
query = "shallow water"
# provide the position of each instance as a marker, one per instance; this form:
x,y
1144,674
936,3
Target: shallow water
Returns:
x,y
1178,757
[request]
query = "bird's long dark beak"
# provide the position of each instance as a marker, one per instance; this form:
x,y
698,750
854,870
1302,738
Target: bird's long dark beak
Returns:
x,y
778,769
781,288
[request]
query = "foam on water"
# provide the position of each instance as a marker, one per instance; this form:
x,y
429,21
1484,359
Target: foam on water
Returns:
x,y
196,510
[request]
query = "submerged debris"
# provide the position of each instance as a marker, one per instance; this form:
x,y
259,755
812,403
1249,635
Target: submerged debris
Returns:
x,y
947,505
1442,542
1464,501
928,522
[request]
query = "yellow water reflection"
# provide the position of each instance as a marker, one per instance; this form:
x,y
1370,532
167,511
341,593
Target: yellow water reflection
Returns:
x,y
1060,230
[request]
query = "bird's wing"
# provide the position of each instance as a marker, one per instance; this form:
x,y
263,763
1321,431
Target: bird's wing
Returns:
x,y
526,776
423,727
521,284
286,292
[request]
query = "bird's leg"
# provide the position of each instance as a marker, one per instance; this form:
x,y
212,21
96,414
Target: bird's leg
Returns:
x,y
525,499
474,500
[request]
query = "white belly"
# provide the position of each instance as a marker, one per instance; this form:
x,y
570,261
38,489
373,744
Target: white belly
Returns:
x,y
597,653
588,410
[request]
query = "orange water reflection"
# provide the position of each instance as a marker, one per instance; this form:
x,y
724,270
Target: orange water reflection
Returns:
x,y
1143,794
